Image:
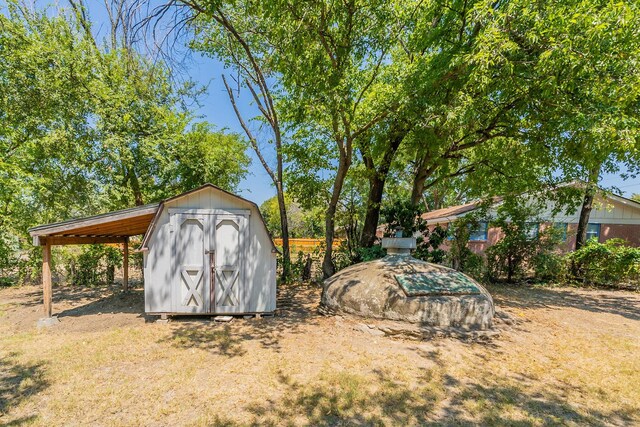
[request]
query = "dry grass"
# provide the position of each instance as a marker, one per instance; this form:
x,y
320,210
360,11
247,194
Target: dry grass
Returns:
x,y
572,359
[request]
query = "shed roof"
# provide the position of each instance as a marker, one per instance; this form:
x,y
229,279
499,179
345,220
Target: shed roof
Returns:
x,y
114,227
158,212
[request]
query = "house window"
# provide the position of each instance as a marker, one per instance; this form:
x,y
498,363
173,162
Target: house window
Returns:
x,y
593,231
479,233
532,229
561,229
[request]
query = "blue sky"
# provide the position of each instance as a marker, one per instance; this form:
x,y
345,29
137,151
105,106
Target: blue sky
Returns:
x,y
216,108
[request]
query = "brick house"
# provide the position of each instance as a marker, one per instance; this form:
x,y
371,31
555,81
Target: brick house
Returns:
x,y
612,217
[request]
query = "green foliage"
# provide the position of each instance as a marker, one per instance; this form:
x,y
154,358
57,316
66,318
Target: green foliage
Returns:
x,y
548,266
610,263
479,98
522,246
87,127
94,265
459,256
369,254
302,222
344,256
474,265
302,267
428,245
402,213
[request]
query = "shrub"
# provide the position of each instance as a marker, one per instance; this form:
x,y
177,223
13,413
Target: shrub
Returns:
x,y
548,266
96,264
475,266
507,257
428,245
301,267
520,250
610,263
459,232
407,216
369,254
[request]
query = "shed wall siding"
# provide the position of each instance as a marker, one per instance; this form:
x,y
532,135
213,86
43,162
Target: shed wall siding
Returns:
x,y
259,284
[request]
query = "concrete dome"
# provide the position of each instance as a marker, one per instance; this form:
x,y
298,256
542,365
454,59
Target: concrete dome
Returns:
x,y
400,287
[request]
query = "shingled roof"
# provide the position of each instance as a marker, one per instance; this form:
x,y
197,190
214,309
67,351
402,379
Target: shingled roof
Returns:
x,y
452,212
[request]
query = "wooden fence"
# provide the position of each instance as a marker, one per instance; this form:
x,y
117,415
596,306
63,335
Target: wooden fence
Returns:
x,y
306,244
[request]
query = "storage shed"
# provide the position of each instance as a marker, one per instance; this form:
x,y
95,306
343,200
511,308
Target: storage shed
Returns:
x,y
206,251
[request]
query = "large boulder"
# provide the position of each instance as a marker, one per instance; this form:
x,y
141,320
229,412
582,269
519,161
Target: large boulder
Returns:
x,y
400,287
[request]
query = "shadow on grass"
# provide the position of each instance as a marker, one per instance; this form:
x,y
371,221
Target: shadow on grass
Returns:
x,y
103,300
230,339
499,402
97,299
343,398
18,383
213,338
625,304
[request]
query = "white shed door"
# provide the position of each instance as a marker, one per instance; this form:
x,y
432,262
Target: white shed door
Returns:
x,y
191,277
228,294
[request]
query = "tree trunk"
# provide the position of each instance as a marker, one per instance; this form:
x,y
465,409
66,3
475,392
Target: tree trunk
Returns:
x,y
377,179
587,206
418,187
284,226
370,225
328,268
585,213
583,222
423,170
135,187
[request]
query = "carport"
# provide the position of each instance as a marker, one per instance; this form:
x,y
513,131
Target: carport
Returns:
x,y
112,227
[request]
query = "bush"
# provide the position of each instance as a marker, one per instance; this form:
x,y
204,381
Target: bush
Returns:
x,y
459,232
301,267
611,263
95,265
520,251
369,254
475,266
428,245
404,214
508,256
548,266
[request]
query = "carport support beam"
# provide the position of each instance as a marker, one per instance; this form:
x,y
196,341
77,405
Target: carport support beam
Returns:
x,y
125,265
46,279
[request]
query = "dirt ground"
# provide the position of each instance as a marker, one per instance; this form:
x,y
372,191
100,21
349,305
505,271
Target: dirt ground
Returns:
x,y
572,357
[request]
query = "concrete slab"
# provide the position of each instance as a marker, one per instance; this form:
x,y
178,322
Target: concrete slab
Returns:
x,y
47,322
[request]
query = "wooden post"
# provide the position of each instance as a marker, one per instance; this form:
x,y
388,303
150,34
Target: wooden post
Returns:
x,y
125,265
46,278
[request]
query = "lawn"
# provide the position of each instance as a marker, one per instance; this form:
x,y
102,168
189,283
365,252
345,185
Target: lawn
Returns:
x,y
570,358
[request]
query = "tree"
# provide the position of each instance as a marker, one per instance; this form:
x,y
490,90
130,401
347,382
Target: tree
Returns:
x,y
222,30
329,57
586,99
85,128
302,222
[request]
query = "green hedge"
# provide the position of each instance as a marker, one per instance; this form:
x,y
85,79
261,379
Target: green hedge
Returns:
x,y
610,263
